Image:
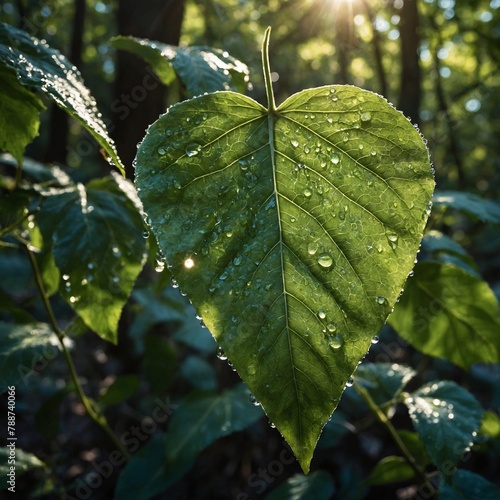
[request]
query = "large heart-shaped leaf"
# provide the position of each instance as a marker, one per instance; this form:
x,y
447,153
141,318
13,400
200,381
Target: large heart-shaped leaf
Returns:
x,y
292,230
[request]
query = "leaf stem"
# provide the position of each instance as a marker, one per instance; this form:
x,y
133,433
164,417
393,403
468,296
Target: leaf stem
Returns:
x,y
266,68
93,411
382,418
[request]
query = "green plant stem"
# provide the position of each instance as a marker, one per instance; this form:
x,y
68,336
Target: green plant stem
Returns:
x,y
19,174
266,68
94,412
382,418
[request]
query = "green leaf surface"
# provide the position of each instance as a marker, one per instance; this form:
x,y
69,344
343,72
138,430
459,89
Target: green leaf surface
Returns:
x,y
147,473
159,363
291,231
441,248
24,461
334,430
21,348
199,420
201,69
490,425
384,381
446,417
19,114
199,373
470,204
318,485
466,485
415,446
390,469
48,414
121,389
96,234
42,68
203,417
446,312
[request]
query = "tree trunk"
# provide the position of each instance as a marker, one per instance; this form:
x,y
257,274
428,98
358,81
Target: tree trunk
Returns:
x,y
139,96
58,126
410,91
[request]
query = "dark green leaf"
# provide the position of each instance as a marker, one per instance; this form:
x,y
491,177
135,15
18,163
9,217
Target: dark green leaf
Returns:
x,y
121,389
46,263
24,461
204,417
194,334
39,67
446,417
437,246
470,204
390,470
466,485
201,69
147,473
199,373
22,349
292,233
48,415
334,430
96,234
415,446
19,114
315,486
198,421
447,312
491,425
160,362
384,381
151,309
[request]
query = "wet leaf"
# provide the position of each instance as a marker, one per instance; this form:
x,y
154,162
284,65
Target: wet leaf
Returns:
x,y
447,312
466,485
201,69
391,469
446,417
292,232
19,115
39,67
96,237
24,348
470,204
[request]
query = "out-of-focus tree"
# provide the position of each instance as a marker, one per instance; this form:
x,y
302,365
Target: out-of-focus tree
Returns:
x,y
139,97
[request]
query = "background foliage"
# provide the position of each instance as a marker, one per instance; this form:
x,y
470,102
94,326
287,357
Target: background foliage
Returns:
x,y
161,386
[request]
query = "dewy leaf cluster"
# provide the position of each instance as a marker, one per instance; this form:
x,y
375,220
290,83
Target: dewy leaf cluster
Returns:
x,y
39,67
292,230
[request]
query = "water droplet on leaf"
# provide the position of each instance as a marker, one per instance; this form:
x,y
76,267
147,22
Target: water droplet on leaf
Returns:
x,y
221,354
335,341
312,248
325,260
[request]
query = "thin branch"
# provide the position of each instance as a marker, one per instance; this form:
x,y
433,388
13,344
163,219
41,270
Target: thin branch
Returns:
x,y
384,420
94,412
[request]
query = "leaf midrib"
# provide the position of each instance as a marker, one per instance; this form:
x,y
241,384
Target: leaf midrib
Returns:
x,y
270,121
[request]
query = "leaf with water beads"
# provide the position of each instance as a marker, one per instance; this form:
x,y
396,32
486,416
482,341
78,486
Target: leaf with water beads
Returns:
x,y
39,67
201,69
94,233
447,418
302,223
